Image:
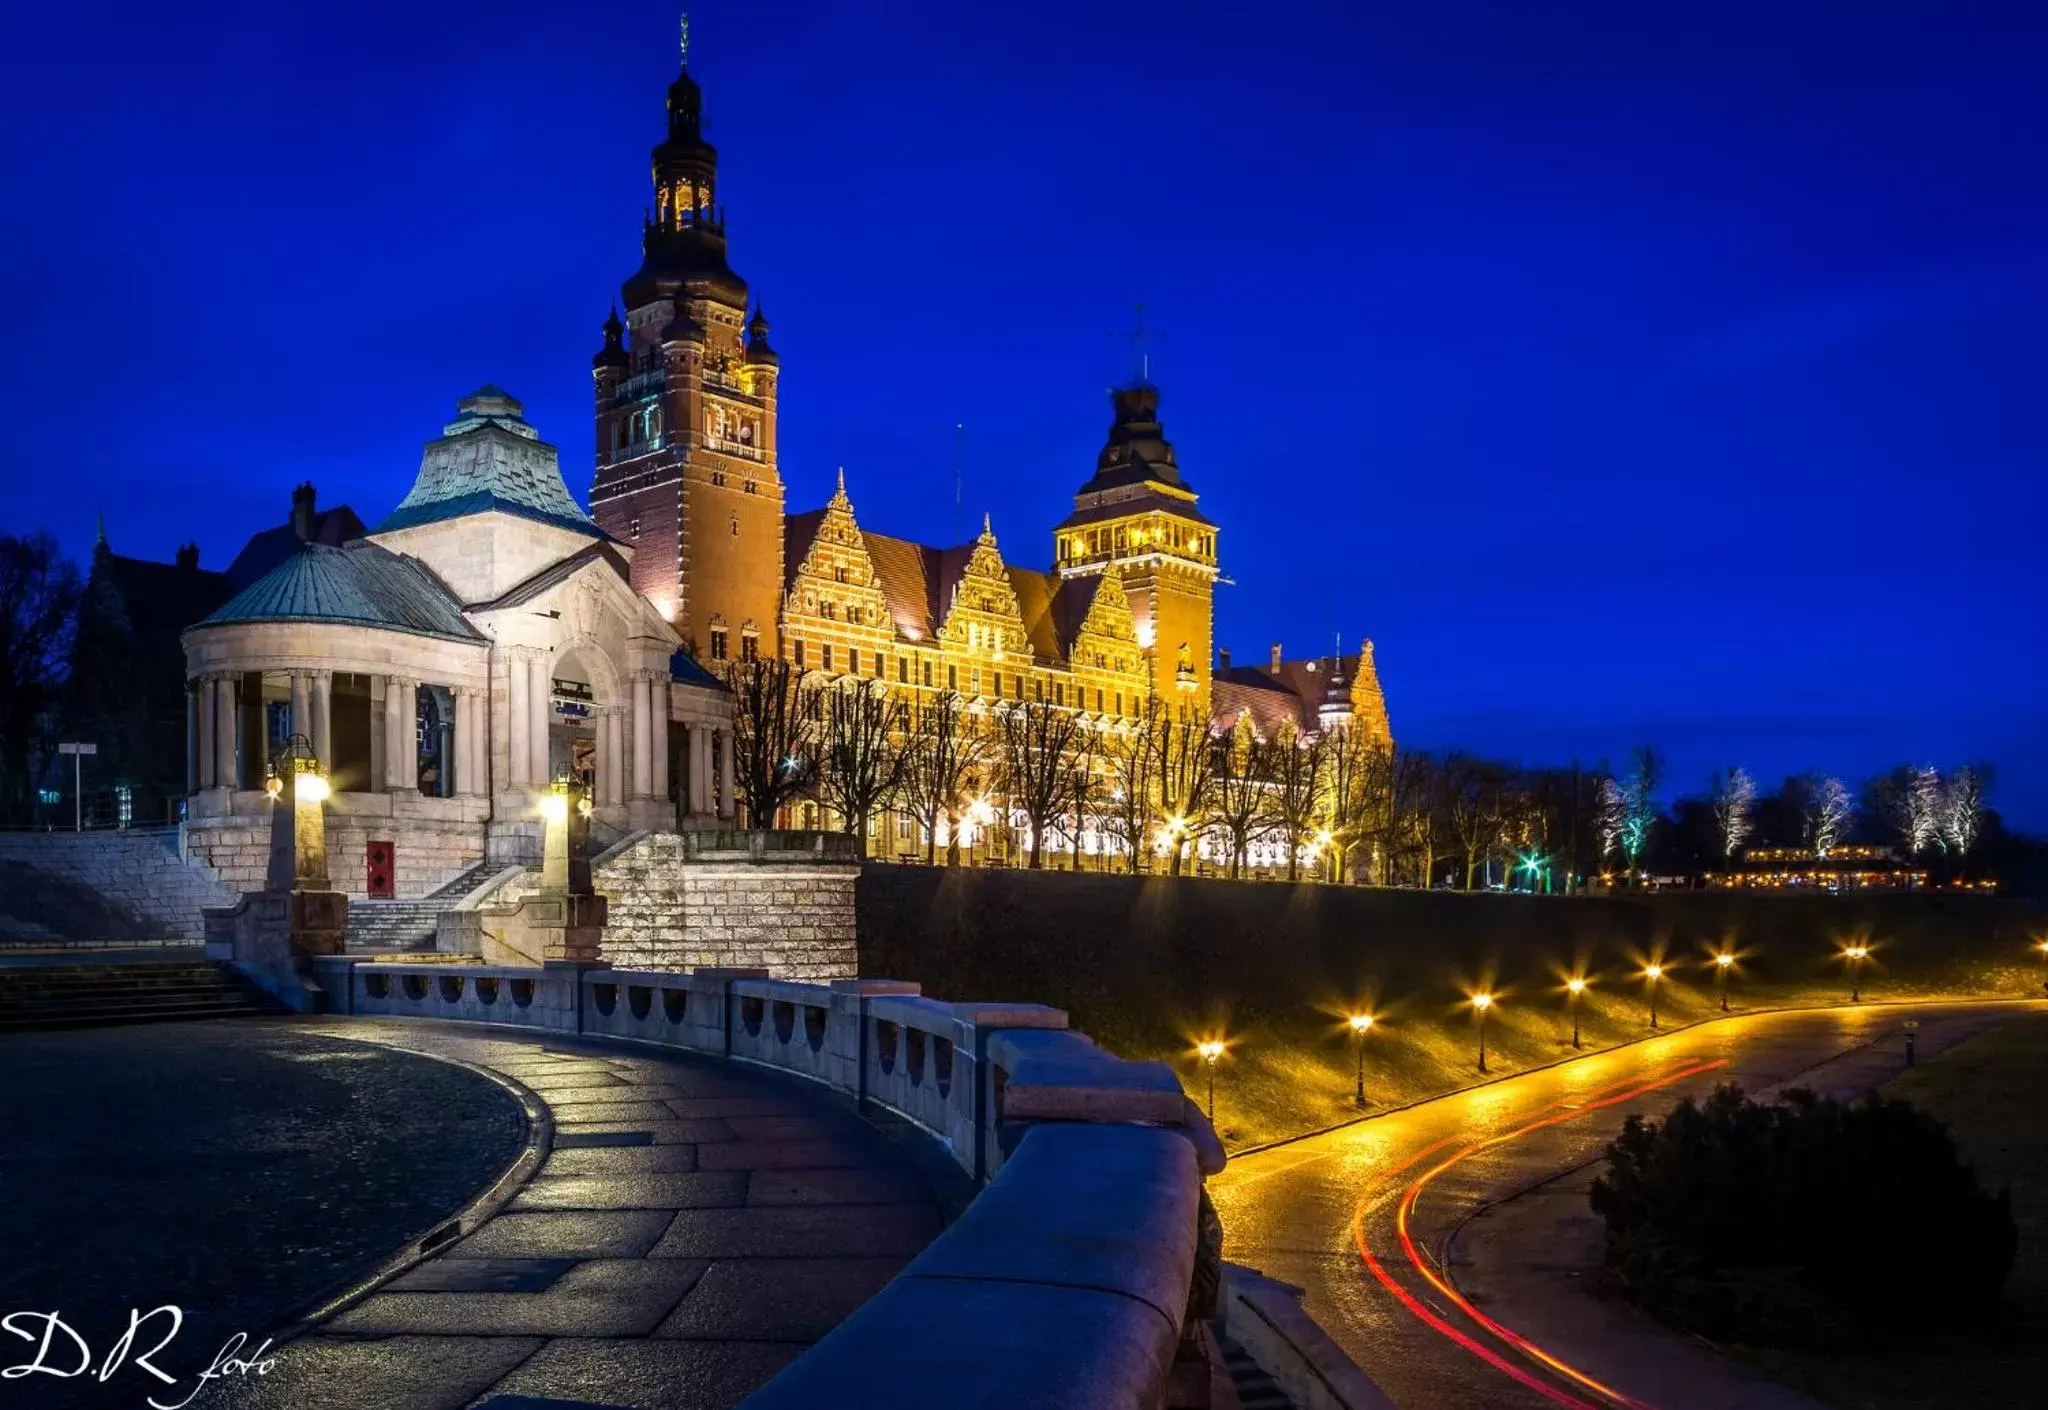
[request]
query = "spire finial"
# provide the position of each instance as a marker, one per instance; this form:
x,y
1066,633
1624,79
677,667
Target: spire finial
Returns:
x,y
842,479
686,39
988,528
100,539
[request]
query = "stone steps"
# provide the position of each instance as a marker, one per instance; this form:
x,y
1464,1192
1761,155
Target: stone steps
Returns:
x,y
386,927
1255,1389
85,996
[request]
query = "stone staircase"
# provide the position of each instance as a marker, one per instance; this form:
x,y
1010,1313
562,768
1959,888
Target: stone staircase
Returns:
x,y
401,927
139,875
1255,1389
93,995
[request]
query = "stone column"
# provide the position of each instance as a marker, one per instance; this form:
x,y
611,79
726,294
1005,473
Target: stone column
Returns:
x,y
728,807
518,721
302,709
610,757
225,727
700,770
643,732
322,695
202,710
471,772
408,771
539,692
658,745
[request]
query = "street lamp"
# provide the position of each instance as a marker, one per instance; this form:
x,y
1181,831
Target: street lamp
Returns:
x,y
1211,1051
1653,972
1573,988
1723,963
1361,1024
1856,955
1481,1002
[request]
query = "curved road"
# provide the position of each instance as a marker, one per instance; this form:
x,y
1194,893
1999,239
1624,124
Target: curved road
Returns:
x,y
1361,1217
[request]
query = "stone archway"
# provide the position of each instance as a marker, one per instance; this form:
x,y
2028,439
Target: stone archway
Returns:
x,y
584,736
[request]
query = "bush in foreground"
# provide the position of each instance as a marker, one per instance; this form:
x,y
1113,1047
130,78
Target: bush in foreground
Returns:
x,y
1808,1222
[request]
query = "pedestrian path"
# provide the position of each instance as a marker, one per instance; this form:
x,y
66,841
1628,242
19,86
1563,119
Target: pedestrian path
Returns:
x,y
694,1227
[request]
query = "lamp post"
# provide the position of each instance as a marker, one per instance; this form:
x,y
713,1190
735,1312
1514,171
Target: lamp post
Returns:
x,y
1573,988
1653,972
1482,1002
1211,1052
297,768
1723,963
1361,1024
1856,955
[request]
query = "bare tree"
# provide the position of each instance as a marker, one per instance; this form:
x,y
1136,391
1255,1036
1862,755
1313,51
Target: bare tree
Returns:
x,y
1131,787
1299,796
775,725
1733,798
1645,776
1423,831
1612,817
1473,794
1038,753
1962,810
1359,798
1239,790
1829,812
947,747
39,592
1187,771
1087,791
865,758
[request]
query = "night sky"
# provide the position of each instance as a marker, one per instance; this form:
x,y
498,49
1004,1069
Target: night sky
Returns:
x,y
1626,376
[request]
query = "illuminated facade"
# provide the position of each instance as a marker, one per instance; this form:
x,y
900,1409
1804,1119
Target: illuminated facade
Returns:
x,y
687,474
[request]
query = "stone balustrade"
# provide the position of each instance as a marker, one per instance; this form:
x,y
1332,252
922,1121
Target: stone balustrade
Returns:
x,y
1076,1275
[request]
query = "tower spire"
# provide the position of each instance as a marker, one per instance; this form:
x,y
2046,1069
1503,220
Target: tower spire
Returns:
x,y
685,44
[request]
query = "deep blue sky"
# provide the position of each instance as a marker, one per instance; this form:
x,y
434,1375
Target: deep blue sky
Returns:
x,y
1626,371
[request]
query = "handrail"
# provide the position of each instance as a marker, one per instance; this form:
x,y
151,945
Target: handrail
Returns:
x,y
1067,1281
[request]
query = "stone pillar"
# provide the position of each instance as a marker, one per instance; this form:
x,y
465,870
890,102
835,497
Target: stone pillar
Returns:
x,y
539,701
518,721
643,732
470,777
226,719
728,807
409,736
700,770
610,757
203,710
302,709
322,696
658,744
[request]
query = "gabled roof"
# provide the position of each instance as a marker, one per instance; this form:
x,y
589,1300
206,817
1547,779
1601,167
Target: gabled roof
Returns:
x,y
686,669
557,573
363,584
1271,706
158,600
264,551
487,459
1037,594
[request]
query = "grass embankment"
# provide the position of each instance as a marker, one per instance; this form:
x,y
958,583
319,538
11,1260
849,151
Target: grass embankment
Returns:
x,y
1989,1091
1149,965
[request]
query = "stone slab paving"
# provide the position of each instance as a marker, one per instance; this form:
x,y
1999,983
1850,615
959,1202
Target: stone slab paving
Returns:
x,y
694,1227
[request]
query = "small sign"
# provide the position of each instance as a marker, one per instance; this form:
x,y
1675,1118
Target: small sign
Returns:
x,y
69,748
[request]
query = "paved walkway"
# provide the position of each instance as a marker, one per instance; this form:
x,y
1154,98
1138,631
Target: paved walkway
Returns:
x,y
694,1227
233,1169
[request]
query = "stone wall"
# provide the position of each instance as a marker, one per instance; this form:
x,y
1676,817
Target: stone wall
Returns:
x,y
688,900
437,839
138,875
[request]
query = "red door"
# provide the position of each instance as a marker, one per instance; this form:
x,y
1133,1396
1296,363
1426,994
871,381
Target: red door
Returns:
x,y
383,860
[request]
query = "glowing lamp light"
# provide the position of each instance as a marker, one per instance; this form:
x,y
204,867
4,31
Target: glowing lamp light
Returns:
x,y
1575,984
273,785
1482,1002
1210,1050
1724,959
555,808
310,788
1653,971
1360,1022
1857,952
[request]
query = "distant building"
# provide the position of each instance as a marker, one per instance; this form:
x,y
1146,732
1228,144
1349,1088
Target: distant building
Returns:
x,y
1845,868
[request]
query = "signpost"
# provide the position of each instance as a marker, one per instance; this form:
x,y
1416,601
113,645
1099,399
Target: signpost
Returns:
x,y
77,753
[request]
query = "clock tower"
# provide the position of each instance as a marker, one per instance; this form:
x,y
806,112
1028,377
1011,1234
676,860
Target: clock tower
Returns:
x,y
1137,518
685,392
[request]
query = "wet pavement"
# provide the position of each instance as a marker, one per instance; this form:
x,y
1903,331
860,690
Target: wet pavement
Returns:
x,y
1376,1221
234,1169
695,1227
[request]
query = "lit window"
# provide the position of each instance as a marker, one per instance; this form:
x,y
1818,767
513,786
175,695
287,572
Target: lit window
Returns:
x,y
825,655
750,647
718,643
853,660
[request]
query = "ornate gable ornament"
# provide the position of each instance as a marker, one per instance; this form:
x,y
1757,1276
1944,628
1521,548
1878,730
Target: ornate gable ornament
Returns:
x,y
837,562
983,598
1109,614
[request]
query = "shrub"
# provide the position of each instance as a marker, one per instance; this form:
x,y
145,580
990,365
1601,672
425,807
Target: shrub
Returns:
x,y
1808,1222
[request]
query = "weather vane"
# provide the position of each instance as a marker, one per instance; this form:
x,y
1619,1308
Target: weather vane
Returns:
x,y
686,39
1141,360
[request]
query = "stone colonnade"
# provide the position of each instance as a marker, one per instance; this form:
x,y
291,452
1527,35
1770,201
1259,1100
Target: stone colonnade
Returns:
x,y
632,737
